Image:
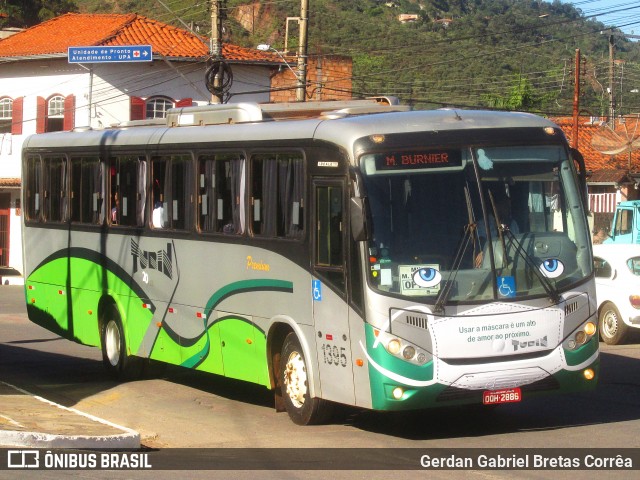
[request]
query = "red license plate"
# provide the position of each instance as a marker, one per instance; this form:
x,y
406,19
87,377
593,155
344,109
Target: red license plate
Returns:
x,y
507,395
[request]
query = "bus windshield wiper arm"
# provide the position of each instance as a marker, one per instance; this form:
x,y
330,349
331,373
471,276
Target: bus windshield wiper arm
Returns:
x,y
468,235
504,229
546,283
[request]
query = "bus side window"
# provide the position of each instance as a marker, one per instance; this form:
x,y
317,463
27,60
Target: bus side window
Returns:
x,y
33,184
277,194
128,194
220,179
87,190
55,189
172,195
329,251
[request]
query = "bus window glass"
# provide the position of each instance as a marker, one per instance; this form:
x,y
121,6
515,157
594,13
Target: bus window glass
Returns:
x,y
277,194
329,233
220,178
87,190
172,195
33,187
436,225
55,190
128,193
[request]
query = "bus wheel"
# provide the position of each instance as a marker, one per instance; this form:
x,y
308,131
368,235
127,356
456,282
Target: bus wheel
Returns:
x,y
613,330
302,409
114,348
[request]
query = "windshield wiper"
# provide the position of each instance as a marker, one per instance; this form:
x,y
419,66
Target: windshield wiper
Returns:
x,y
504,229
468,235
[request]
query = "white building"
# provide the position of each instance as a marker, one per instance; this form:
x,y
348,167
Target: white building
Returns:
x,y
42,91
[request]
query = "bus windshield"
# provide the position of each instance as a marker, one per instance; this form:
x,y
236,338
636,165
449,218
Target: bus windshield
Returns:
x,y
470,224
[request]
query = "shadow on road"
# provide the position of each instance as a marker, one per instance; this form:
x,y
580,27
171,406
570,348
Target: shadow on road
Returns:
x,y
69,379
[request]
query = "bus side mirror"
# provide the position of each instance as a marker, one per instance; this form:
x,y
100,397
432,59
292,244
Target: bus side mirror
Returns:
x,y
358,219
582,175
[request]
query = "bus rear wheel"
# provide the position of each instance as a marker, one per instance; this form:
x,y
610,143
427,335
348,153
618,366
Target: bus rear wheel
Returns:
x,y
294,381
118,364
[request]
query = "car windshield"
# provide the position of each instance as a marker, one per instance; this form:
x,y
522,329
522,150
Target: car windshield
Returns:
x,y
470,224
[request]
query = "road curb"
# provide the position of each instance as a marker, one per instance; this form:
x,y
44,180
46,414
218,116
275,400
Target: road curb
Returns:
x,y
47,414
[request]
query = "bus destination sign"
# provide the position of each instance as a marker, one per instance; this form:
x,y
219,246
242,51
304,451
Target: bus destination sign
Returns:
x,y
419,159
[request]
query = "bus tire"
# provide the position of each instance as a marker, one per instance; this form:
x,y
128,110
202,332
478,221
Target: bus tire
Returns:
x,y
119,365
294,383
613,330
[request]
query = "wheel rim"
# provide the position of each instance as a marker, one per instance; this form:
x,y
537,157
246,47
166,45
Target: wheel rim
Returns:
x,y
610,324
295,379
112,342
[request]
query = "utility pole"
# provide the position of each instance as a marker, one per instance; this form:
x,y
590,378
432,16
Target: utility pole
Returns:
x,y
216,47
612,99
576,101
301,91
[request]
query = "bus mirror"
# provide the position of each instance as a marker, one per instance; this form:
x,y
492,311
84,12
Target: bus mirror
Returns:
x,y
582,175
358,223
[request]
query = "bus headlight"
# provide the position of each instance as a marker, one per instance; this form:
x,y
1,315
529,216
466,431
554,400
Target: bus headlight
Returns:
x,y
409,352
582,335
393,347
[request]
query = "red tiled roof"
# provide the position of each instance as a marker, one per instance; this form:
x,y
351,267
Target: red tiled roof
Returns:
x,y
9,182
594,158
79,30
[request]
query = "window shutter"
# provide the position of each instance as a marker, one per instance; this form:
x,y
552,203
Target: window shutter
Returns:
x,y
185,102
16,116
137,111
41,115
69,113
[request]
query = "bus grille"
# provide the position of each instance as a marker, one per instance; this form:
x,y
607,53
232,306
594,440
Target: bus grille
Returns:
x,y
569,308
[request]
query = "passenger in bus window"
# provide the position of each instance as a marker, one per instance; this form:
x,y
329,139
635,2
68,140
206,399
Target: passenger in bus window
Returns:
x,y
157,217
114,209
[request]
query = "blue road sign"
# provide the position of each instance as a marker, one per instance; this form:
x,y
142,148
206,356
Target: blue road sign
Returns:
x,y
113,54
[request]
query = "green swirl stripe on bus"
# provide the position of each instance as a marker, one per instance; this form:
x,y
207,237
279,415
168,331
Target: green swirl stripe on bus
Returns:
x,y
236,288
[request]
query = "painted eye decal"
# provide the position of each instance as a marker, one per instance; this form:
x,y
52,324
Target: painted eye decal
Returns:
x,y
427,277
552,268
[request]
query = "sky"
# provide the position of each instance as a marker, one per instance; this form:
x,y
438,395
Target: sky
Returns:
x,y
624,14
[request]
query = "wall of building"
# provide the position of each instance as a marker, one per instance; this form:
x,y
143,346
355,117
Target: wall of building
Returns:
x,y
108,88
328,78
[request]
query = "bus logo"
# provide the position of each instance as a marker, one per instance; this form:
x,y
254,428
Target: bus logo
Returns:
x,y
160,260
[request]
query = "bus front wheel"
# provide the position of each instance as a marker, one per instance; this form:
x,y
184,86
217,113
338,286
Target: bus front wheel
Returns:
x,y
118,364
294,381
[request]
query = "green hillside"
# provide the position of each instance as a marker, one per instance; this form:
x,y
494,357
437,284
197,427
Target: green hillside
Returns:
x,y
506,54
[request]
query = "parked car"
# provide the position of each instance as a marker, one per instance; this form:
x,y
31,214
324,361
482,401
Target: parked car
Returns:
x,y
617,271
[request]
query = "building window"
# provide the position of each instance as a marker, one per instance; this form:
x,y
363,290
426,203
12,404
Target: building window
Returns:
x,y
156,107
55,114
6,114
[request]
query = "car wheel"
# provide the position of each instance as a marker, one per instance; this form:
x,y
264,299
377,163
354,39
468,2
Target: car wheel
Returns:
x,y
294,381
613,330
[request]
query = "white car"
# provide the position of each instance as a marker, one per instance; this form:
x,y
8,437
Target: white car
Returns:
x,y
617,271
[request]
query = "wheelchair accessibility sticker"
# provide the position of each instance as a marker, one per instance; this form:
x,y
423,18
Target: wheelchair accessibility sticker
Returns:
x,y
507,286
317,290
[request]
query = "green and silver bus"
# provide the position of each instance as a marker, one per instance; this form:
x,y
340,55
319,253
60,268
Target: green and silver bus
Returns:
x,y
348,252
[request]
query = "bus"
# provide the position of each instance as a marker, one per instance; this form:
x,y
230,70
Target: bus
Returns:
x,y
347,252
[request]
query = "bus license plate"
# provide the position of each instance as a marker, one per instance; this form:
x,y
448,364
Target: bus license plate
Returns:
x,y
507,395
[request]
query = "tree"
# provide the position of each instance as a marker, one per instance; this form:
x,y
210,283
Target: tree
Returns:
x,y
27,13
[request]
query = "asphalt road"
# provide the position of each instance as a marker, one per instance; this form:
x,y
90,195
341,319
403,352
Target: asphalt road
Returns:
x,y
177,408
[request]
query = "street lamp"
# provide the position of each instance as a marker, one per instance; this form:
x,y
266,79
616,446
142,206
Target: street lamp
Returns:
x,y
265,47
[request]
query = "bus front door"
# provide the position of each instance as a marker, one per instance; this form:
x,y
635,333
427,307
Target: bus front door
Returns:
x,y
330,307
